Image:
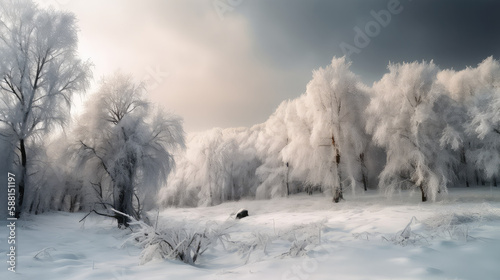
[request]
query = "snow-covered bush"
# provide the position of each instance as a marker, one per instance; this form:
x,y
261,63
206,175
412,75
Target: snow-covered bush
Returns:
x,y
298,239
456,225
176,244
174,241
257,242
303,237
408,236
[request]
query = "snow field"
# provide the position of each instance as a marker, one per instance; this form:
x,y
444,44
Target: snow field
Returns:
x,y
364,237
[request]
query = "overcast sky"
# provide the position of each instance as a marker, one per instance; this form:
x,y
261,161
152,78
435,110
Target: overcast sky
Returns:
x,y
227,63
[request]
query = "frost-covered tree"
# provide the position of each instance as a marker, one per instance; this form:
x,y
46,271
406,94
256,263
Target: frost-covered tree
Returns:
x,y
335,102
217,166
39,74
274,172
215,158
287,153
404,118
298,152
485,123
428,127
125,147
485,118
182,188
56,183
475,124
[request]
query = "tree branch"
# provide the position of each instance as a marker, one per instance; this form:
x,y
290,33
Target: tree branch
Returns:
x,y
85,146
100,214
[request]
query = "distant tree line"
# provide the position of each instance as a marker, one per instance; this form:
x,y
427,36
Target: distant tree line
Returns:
x,y
418,127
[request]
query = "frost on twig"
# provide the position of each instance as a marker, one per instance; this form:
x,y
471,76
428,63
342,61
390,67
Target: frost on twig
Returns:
x,y
407,236
44,254
175,242
302,237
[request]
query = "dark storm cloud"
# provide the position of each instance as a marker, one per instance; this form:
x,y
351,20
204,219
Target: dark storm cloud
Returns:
x,y
233,67
306,34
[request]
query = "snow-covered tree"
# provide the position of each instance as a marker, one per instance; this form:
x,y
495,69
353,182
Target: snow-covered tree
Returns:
x,y
274,172
485,123
217,166
298,152
404,118
57,184
292,151
476,123
425,127
214,156
335,102
125,147
39,74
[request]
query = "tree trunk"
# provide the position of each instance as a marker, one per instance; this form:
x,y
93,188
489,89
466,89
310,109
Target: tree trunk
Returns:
x,y
363,170
463,160
338,196
338,191
232,182
22,180
477,177
424,195
364,182
287,185
121,206
211,195
126,195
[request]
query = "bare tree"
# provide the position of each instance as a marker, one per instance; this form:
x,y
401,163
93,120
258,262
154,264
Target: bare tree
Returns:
x,y
39,74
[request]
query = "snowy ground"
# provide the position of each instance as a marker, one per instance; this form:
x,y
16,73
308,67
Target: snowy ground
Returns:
x,y
364,237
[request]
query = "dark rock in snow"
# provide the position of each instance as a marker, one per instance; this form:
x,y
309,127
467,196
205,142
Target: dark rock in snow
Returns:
x,y
241,214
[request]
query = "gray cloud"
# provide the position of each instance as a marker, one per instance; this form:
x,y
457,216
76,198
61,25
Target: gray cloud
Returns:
x,y
453,33
235,71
